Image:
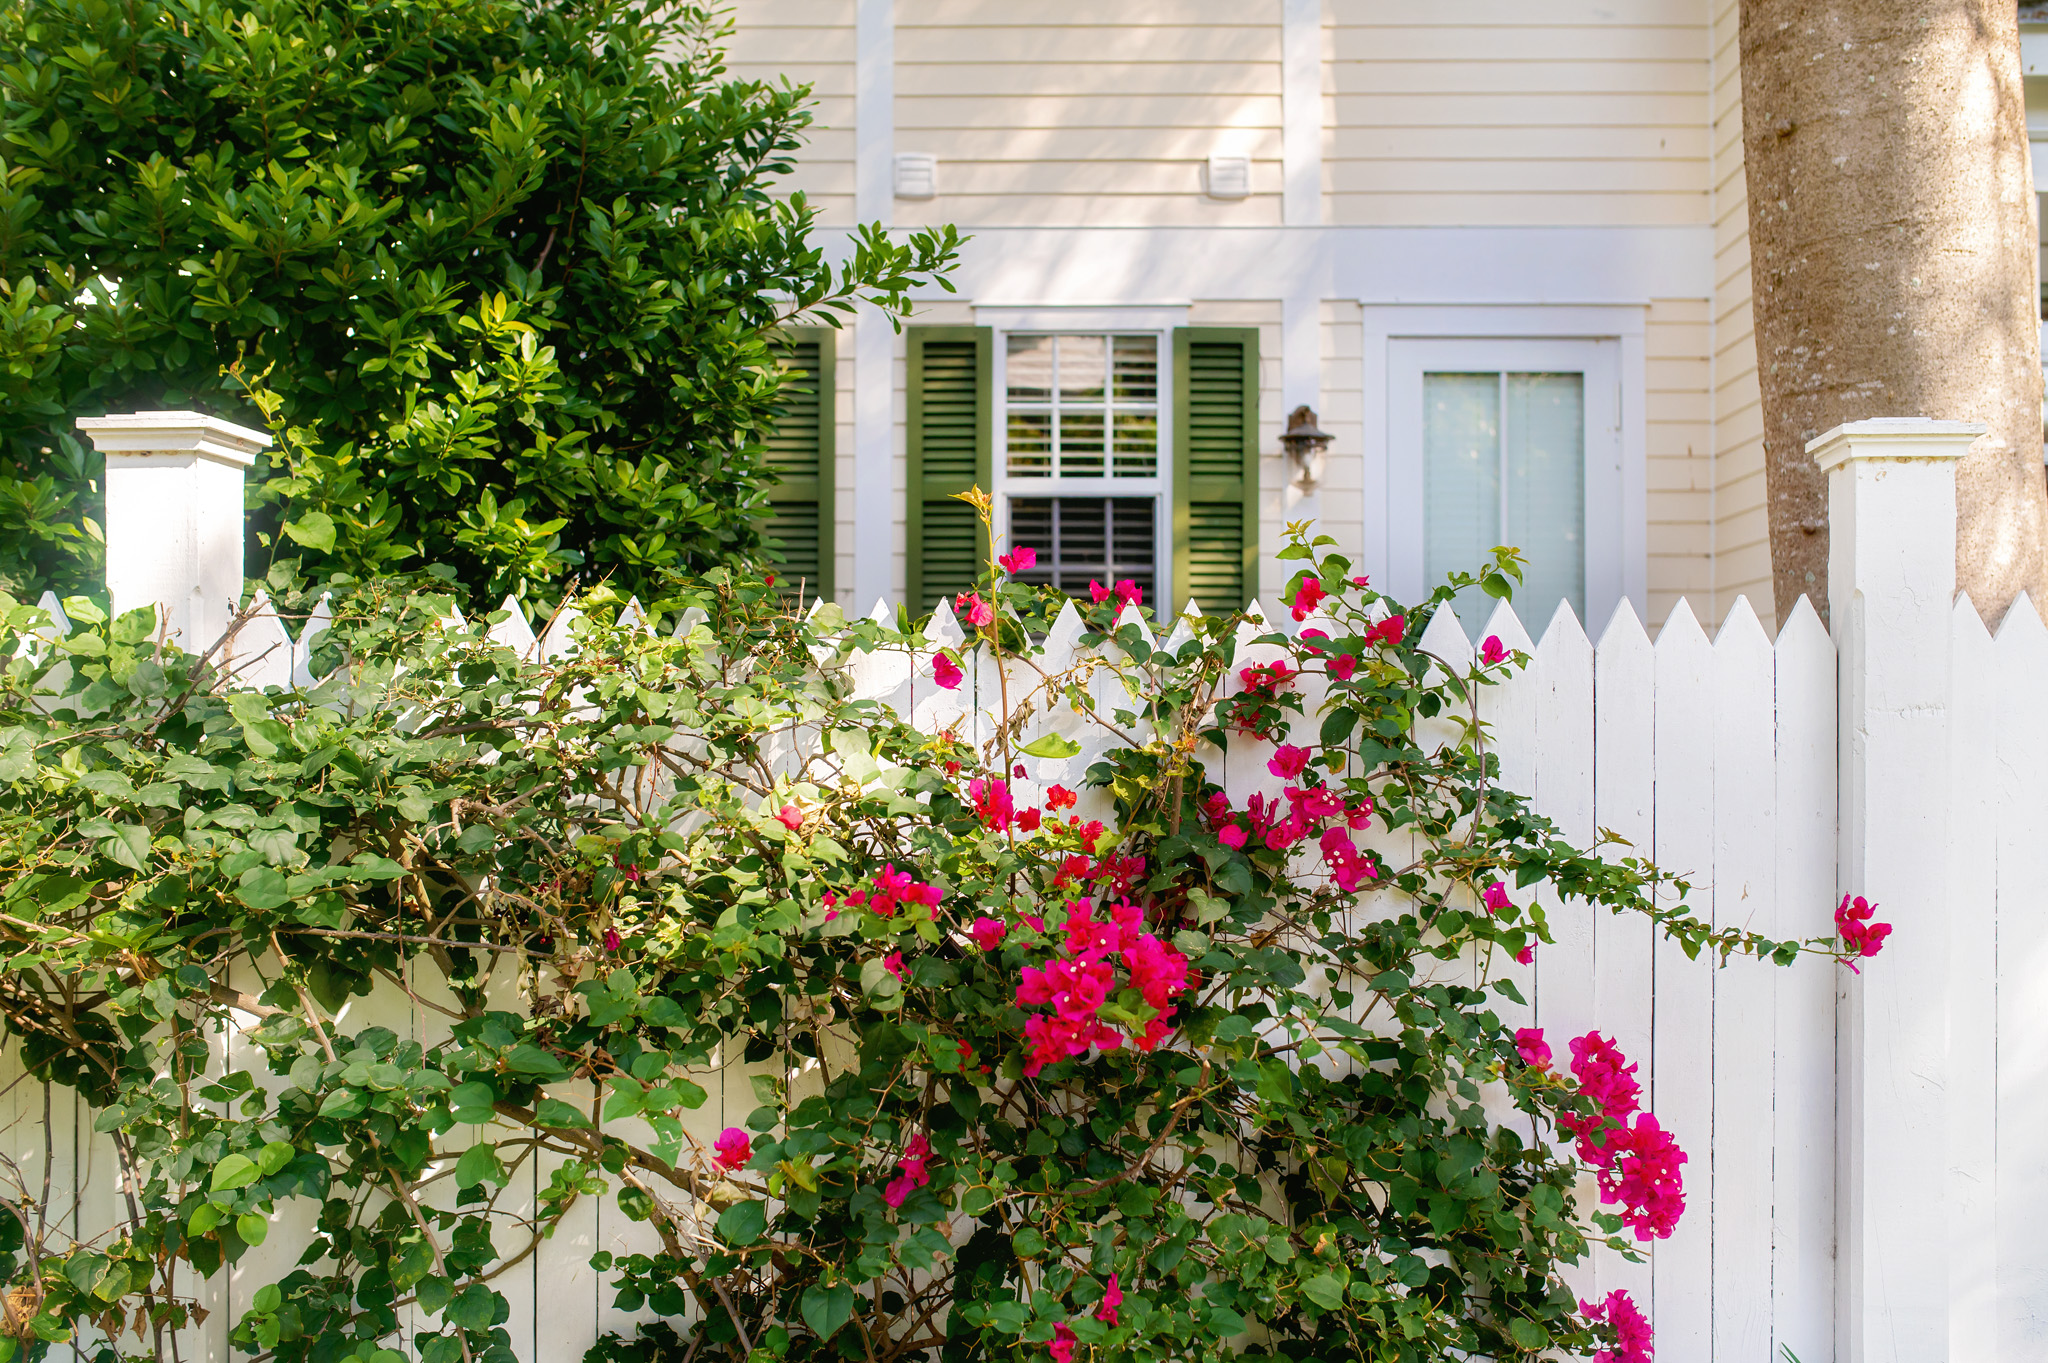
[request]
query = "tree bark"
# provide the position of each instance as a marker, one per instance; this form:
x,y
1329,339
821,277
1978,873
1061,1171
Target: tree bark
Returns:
x,y
1894,261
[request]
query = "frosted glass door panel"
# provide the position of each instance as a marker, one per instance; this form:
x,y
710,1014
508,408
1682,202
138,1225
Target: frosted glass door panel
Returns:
x,y
1461,484
1545,453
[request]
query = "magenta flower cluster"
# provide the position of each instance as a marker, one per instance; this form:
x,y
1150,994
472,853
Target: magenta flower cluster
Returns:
x,y
1859,934
911,1173
1097,958
1636,1160
1632,1338
1282,823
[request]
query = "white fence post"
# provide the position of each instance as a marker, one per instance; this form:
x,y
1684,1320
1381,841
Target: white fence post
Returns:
x,y
1891,587
174,517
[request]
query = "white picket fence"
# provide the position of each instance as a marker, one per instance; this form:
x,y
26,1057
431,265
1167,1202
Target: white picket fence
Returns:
x,y
1864,1180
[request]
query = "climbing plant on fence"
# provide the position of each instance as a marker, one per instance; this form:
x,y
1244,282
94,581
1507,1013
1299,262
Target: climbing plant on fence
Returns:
x,y
1059,1047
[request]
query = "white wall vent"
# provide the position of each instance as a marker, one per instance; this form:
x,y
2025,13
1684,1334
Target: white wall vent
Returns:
x,y
917,175
1230,177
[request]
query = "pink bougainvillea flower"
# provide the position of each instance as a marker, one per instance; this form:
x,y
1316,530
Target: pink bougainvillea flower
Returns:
x,y
1098,593
1288,762
1022,559
1307,596
1496,897
1493,651
1343,666
1029,820
1059,797
988,933
1361,581
911,1173
1859,934
1606,1077
1062,1346
1633,1340
1313,640
1527,955
946,672
993,802
611,939
735,1147
790,817
1387,631
1128,592
1642,1175
1112,1298
1534,1050
893,963
1349,867
975,611
1231,835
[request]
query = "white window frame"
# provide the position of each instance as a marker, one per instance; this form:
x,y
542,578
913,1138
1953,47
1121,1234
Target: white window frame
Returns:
x,y
1159,320
1606,343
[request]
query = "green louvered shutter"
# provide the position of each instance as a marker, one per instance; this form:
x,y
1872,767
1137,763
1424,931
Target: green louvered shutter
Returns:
x,y
1215,466
799,520
948,411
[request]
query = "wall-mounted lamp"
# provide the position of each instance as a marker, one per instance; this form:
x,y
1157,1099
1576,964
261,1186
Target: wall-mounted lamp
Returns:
x,y
1305,444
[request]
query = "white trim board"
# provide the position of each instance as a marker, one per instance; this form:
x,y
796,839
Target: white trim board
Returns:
x,y
1110,266
1391,495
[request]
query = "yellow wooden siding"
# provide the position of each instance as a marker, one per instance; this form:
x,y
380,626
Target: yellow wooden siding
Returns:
x,y
1741,541
1087,115
1679,466
1342,414
1483,114
811,42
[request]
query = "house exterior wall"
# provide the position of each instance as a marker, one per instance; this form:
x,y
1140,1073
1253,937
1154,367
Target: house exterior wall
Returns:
x,y
1468,156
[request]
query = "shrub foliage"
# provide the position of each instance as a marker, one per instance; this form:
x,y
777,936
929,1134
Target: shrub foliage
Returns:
x,y
1044,1061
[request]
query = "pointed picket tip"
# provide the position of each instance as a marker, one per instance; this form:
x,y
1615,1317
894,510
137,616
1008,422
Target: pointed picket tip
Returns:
x,y
688,621
513,631
1445,636
1183,628
560,634
1624,624
1507,626
634,616
1805,621
317,623
60,623
943,629
1681,627
455,619
1741,627
1067,629
1563,630
1131,615
881,614
2021,621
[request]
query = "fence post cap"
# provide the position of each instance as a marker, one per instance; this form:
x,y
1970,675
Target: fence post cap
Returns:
x,y
174,433
1894,437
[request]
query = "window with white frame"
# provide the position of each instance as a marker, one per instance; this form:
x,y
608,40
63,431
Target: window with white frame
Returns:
x,y
1508,441
1081,467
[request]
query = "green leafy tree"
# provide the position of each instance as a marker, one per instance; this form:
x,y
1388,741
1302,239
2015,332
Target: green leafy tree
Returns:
x,y
510,270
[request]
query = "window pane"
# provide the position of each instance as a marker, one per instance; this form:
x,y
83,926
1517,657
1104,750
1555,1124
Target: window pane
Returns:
x,y
1084,539
1080,444
1545,467
1030,368
1136,360
1030,444
1137,444
1082,368
1460,478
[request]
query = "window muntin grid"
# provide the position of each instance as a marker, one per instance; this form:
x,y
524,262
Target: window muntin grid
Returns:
x,y
1088,539
1081,405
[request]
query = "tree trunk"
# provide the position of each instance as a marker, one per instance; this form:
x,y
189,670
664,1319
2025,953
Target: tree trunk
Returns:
x,y
1893,260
